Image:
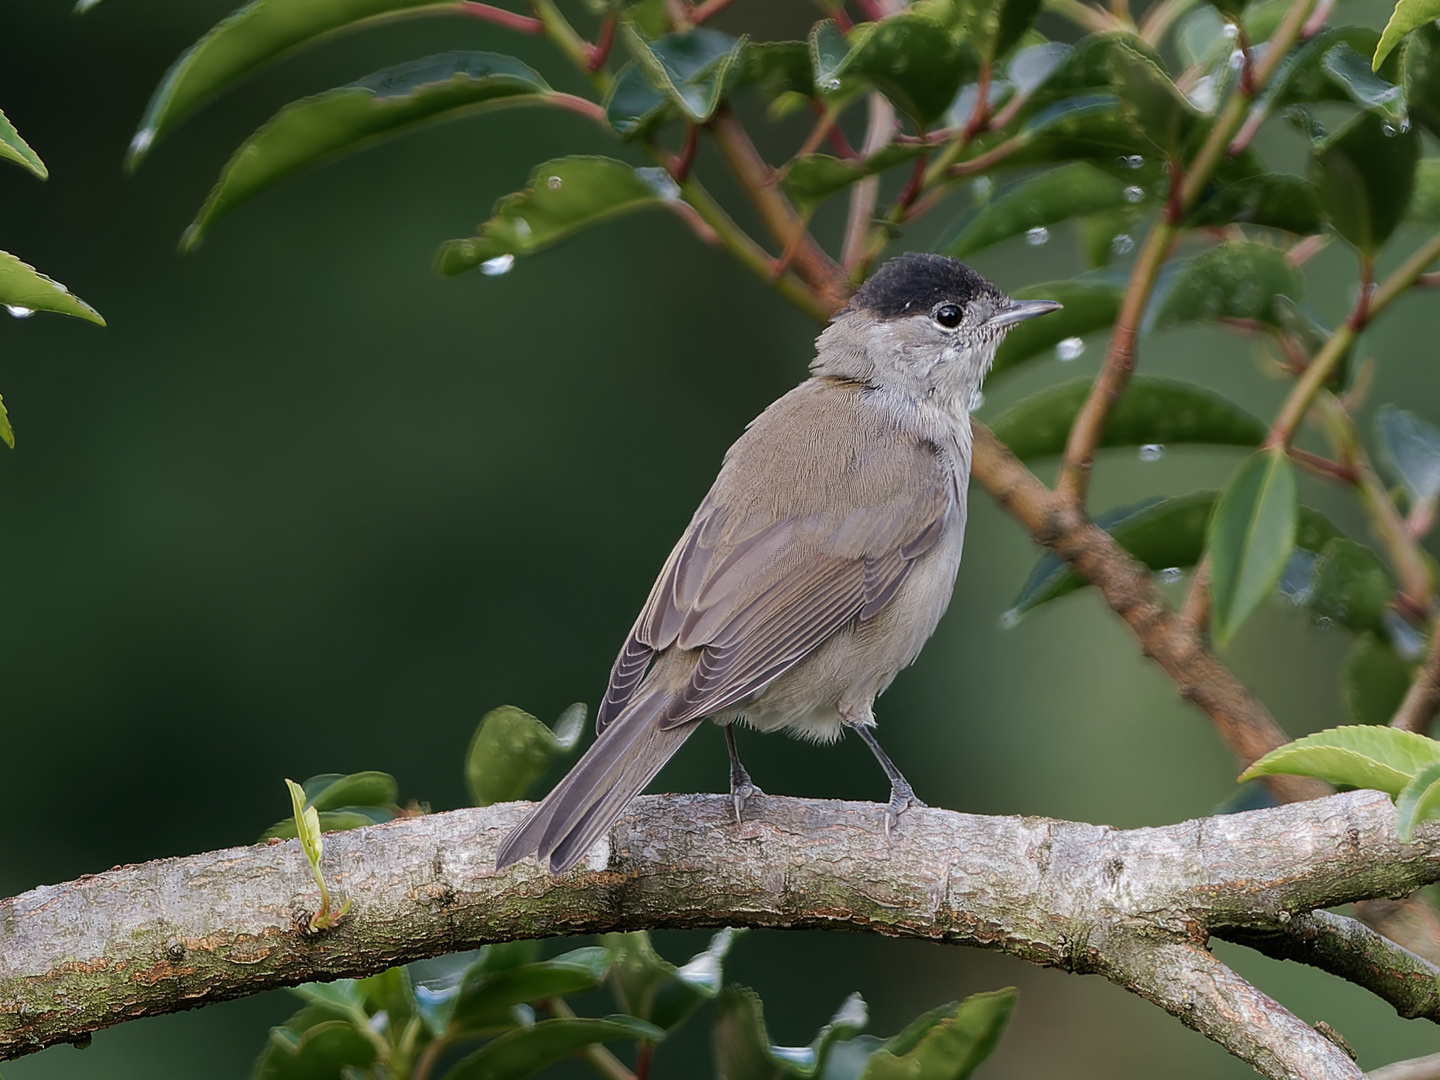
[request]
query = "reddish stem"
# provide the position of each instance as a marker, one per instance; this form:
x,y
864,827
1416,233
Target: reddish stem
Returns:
x,y
980,116
600,51
916,184
1320,466
680,164
522,24
642,1060
1361,315
705,10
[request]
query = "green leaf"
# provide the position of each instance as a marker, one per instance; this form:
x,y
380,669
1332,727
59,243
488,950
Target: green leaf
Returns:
x,y
1240,279
14,148
307,826
1351,72
813,178
391,101
525,1051
1090,305
1250,538
1041,201
946,1047
1383,758
486,1001
357,789
1408,15
1420,74
692,69
253,36
1107,235
1013,22
324,1050
511,749
1410,450
1151,101
1418,801
1425,199
913,61
1364,172
1351,586
778,68
329,821
1376,680
654,989
565,196
24,291
7,433
1154,411
1302,78
391,993
742,1045
1275,200
634,107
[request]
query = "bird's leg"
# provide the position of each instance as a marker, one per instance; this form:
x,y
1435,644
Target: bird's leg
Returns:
x,y
741,786
902,795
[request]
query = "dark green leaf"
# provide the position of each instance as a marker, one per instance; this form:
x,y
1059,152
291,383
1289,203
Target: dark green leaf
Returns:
x,y
1240,279
1250,538
1376,679
1302,77
1408,15
813,178
1364,172
652,988
1085,128
389,992
24,291
1154,411
1039,202
1151,101
692,69
1410,448
14,148
525,1051
633,106
1107,235
1014,19
915,62
565,196
1351,72
322,1051
259,32
949,1047
778,67
511,749
1418,801
357,789
1351,586
1275,200
1425,199
1089,68
742,1045
1364,756
387,103
1420,73
486,1000
1089,306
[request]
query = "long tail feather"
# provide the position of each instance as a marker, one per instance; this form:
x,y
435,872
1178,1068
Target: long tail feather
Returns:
x,y
594,794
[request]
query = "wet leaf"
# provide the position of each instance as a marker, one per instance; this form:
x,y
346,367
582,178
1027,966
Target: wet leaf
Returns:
x,y
486,1001
1351,72
778,68
813,178
656,990
1408,15
692,69
253,36
946,1047
1152,102
1363,756
564,196
1364,172
511,750
634,107
1154,411
1302,77
525,1051
1418,801
1376,679
1038,202
1250,538
1420,74
14,148
386,103
743,1050
1351,586
1410,449
1107,236
1240,279
1089,306
24,290
1275,200
324,1050
912,60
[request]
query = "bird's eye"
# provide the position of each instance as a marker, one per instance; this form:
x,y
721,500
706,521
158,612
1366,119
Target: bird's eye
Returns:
x,y
948,316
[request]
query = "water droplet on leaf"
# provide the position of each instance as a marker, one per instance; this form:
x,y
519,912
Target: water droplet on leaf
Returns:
x,y
501,264
19,312
1069,349
1037,236
1152,451
555,183
1171,574
1009,619
832,84
1122,245
1134,194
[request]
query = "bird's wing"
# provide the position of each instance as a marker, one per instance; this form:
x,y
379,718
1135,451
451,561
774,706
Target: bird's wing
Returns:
x,y
795,540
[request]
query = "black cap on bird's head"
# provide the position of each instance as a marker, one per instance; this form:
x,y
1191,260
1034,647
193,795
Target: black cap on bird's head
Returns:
x,y
916,283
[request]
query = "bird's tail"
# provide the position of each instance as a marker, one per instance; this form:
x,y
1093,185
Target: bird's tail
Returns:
x,y
594,794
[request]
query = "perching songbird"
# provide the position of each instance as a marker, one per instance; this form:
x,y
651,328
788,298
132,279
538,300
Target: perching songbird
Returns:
x,y
818,564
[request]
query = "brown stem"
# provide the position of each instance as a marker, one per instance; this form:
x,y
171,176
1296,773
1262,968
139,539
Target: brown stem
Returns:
x,y
1423,697
879,130
1324,467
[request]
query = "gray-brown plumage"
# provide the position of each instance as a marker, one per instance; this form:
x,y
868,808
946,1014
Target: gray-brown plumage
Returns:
x,y
818,564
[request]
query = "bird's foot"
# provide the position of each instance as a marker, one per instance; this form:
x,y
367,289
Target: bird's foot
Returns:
x,y
741,789
902,798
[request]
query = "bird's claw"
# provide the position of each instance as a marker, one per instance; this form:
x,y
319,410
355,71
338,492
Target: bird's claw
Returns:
x,y
741,790
901,799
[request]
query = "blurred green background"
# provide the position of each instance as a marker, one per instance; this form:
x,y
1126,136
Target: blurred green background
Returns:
x,y
305,507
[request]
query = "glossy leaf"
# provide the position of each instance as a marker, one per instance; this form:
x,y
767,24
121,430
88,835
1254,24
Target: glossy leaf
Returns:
x,y
946,1047
14,148
1351,586
652,988
1154,410
912,60
564,196
1418,801
1351,72
1302,78
778,67
329,821
324,1050
7,433
307,826
1410,449
356,789
525,1051
813,178
692,69
386,103
1376,679
1420,74
486,1001
1364,172
634,107
1013,20
253,36
1408,15
743,1050
1039,202
1250,538
511,749
1240,279
1151,101
1364,756
1275,200
24,290
1090,305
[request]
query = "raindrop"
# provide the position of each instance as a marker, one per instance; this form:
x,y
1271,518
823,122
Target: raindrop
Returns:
x,y
555,183
832,84
142,140
1204,95
1122,245
522,229
1069,349
501,264
1324,622
1009,619
1152,451
1135,161
1391,130
1231,31
977,399
1134,194
1171,574
19,312
1037,236
982,187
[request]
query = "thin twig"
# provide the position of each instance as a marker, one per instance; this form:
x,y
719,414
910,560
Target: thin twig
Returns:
x,y
879,130
510,20
707,9
1423,697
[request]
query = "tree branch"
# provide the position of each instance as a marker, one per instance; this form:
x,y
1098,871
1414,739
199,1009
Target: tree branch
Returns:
x,y
1423,697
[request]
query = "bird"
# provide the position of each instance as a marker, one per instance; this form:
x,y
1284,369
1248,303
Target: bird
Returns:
x,y
818,564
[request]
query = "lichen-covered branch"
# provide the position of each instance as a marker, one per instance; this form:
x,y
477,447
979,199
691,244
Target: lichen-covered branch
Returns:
x,y
180,933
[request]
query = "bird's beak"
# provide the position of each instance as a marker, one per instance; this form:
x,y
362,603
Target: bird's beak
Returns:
x,y
1020,310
